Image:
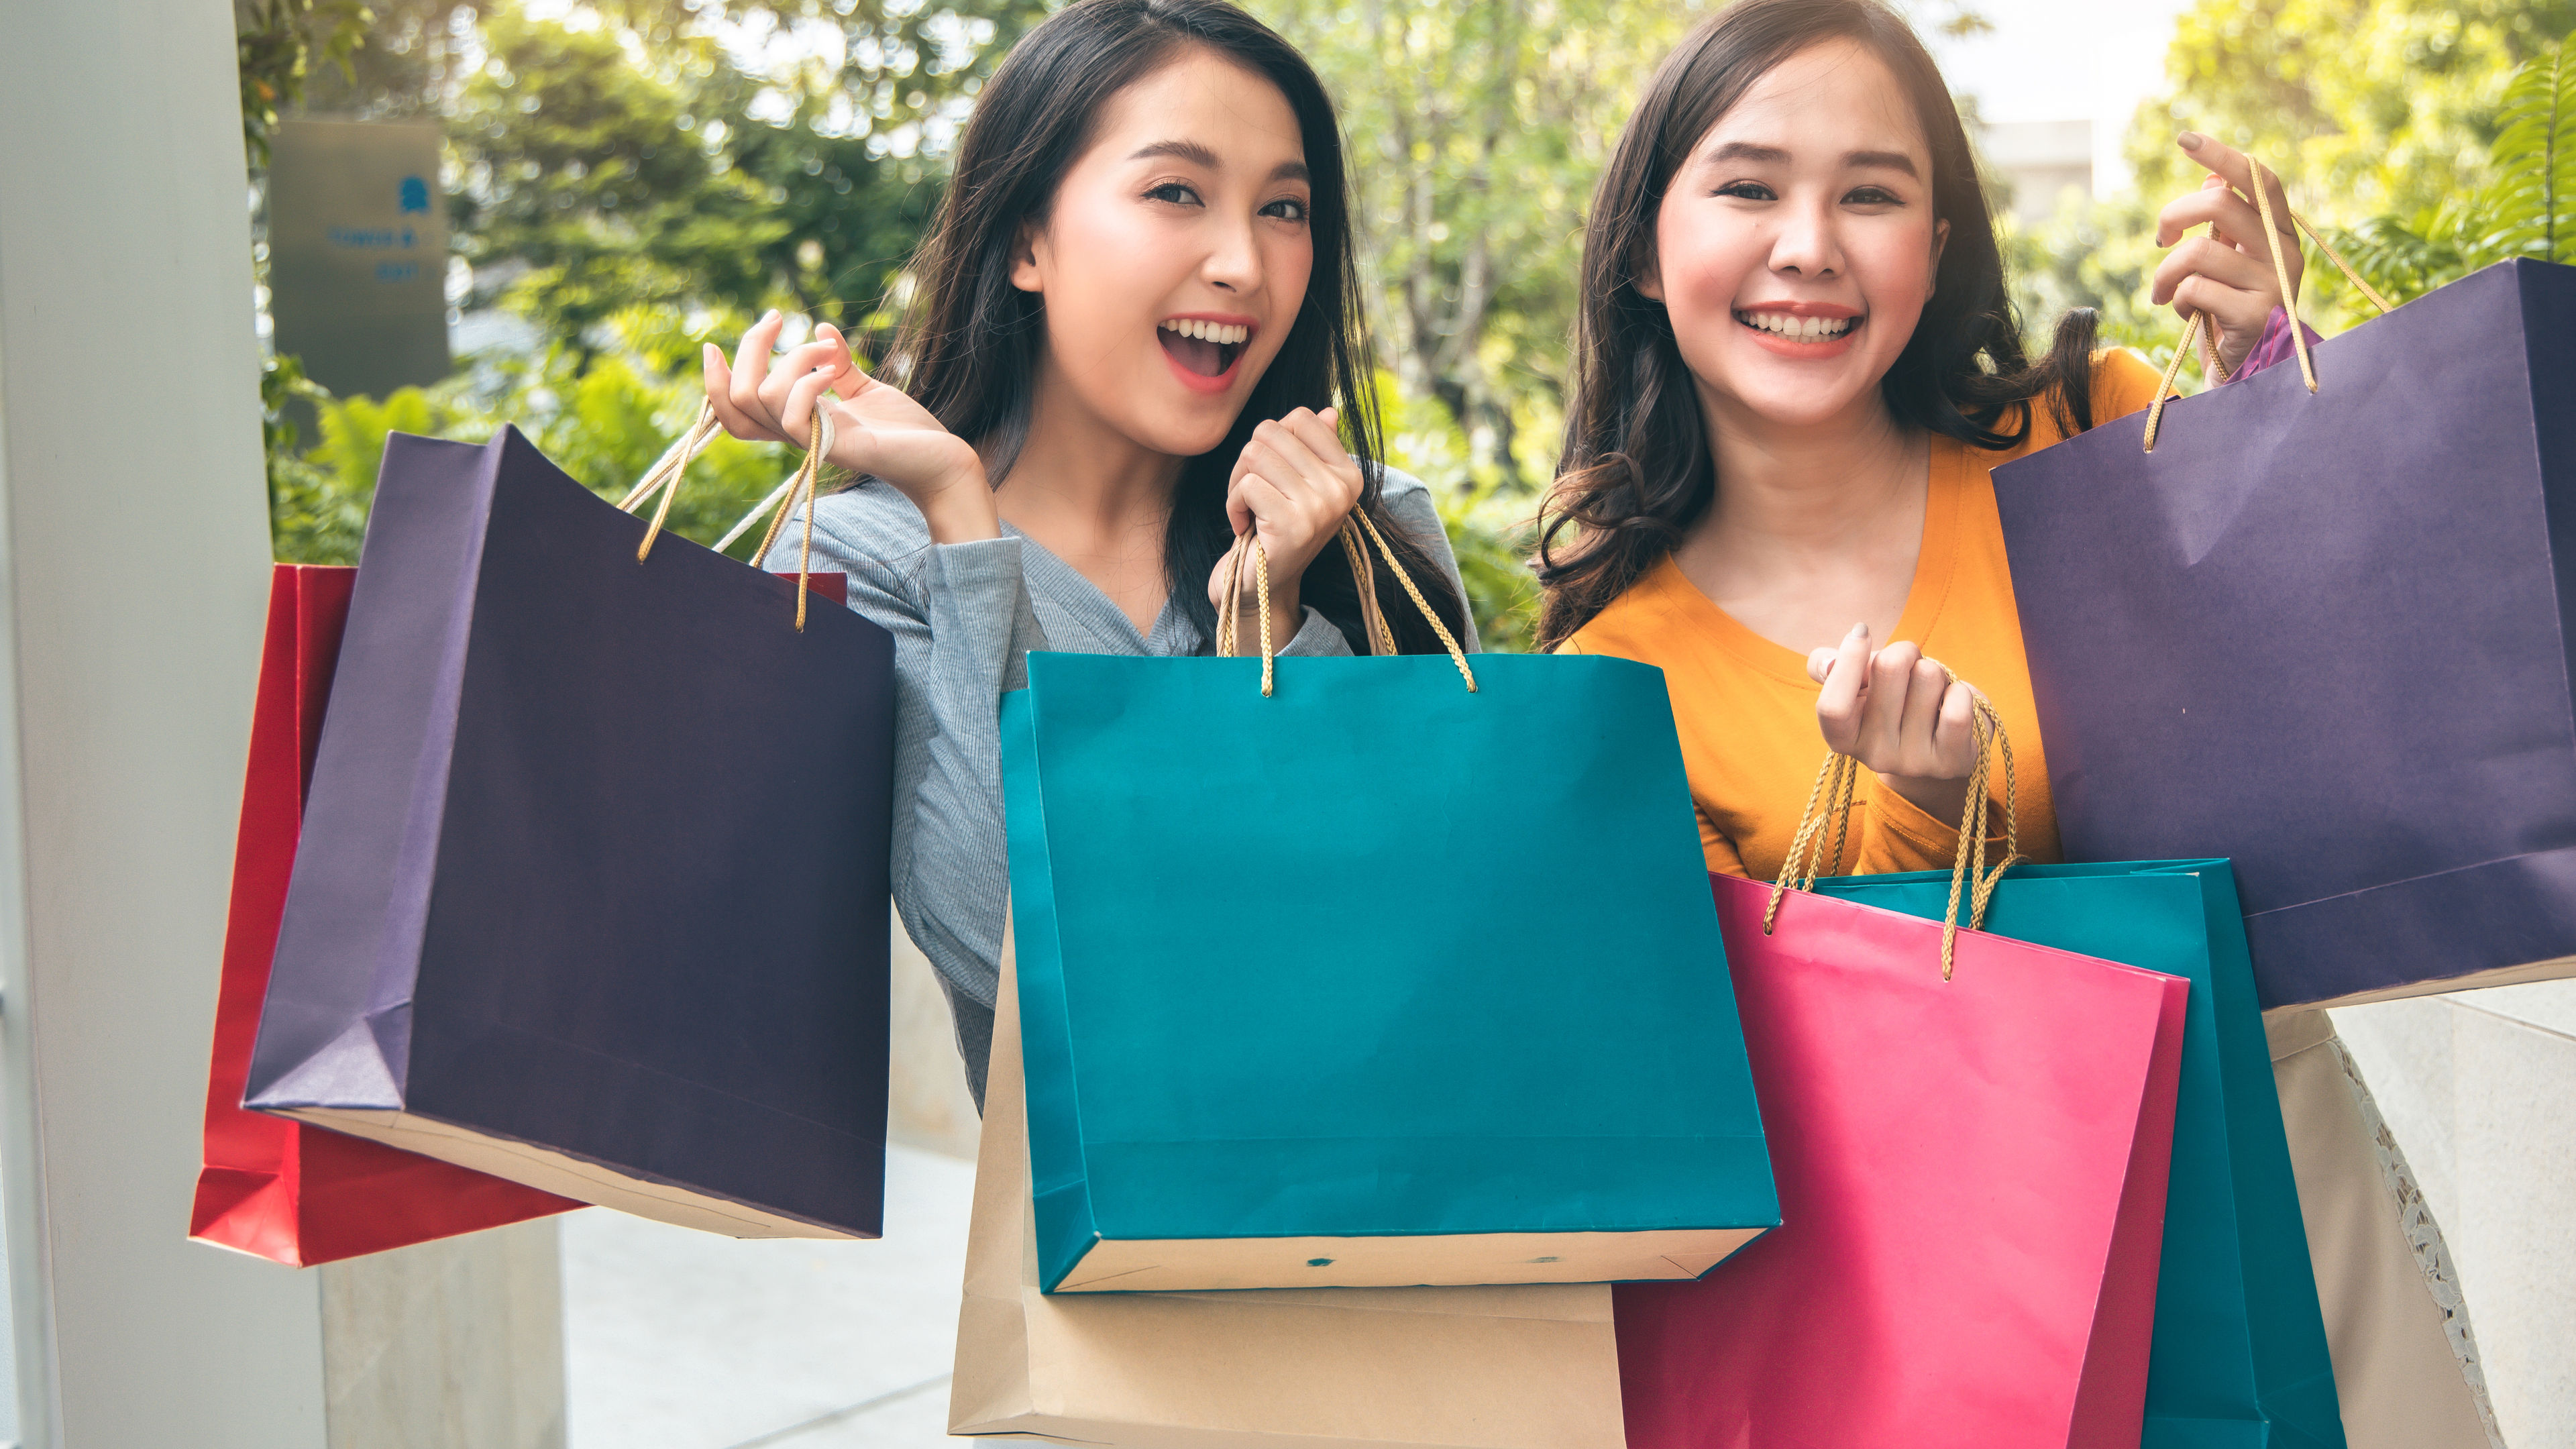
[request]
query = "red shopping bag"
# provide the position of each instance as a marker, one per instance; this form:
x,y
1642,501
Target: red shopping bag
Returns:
x,y
1972,1187
279,1189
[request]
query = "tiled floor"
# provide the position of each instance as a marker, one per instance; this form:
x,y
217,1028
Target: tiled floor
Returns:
x,y
681,1340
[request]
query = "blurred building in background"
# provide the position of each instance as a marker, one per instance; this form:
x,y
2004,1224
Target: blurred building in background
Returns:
x,y
2034,164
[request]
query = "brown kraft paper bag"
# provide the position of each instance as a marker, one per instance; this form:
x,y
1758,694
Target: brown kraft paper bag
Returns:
x,y
1532,1366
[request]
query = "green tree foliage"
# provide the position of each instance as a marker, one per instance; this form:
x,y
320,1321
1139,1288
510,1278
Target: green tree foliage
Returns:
x,y
2527,210
1476,132
603,183
277,43
603,416
2381,116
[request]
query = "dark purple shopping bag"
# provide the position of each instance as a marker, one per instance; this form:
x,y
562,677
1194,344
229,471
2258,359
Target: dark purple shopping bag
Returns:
x,y
2328,636
591,892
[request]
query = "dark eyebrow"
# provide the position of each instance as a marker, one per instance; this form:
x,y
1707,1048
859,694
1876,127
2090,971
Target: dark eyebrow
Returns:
x,y
1885,160
1205,159
1773,156
1190,151
1747,151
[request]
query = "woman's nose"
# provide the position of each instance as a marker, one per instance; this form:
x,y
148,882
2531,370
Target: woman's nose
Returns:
x,y
1806,244
1234,262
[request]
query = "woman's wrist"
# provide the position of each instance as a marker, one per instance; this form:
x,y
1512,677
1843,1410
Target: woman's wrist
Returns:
x,y
961,510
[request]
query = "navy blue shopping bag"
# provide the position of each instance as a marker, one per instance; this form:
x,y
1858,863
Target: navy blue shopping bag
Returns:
x,y
592,887
2328,636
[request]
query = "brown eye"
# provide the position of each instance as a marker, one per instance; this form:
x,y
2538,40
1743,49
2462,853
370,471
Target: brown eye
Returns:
x,y
1286,208
1747,191
1175,192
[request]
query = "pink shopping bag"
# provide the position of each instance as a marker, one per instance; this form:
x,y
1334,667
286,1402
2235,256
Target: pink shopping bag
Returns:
x,y
1972,1188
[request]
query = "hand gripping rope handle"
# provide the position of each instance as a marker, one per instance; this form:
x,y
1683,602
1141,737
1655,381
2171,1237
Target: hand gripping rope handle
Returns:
x,y
2210,365
1830,802
1229,633
664,478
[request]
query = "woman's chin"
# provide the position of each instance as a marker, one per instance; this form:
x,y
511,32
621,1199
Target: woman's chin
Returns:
x,y
1801,403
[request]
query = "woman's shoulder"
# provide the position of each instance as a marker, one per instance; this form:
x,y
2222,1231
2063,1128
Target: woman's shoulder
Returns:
x,y
1397,487
2123,383
1645,622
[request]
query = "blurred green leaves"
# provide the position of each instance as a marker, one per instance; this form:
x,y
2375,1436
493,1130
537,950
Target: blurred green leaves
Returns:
x,y
603,418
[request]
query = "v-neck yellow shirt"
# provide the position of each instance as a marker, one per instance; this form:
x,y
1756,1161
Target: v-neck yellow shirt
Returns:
x,y
1746,710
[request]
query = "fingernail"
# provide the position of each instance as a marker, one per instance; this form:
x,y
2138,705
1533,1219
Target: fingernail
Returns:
x,y
769,316
2190,140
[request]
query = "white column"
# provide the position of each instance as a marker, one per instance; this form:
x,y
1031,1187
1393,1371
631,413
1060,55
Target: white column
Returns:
x,y
133,556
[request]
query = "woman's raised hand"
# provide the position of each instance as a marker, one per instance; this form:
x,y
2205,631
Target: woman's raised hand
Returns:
x,y
2227,278
876,430
1291,489
1901,715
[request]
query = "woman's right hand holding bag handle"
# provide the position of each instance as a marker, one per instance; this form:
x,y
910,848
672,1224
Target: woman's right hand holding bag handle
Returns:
x,y
1972,880
2228,282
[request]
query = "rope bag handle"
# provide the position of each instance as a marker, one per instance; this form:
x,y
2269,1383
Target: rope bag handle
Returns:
x,y
2264,180
667,471
1229,632
1829,803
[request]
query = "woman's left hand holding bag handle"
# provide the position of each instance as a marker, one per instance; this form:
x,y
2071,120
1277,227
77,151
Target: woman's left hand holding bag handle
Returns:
x,y
876,429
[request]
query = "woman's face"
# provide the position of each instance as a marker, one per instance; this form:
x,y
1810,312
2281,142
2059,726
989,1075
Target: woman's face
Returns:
x,y
1796,246
1175,256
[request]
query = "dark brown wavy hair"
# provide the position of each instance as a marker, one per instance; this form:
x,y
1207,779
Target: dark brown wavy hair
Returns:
x,y
1636,471
969,346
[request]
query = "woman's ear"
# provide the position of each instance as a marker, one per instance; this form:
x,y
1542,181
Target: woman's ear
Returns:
x,y
1024,259
1940,242
1645,273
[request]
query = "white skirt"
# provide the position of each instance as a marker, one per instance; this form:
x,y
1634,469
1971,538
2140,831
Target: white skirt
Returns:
x,y
2405,1363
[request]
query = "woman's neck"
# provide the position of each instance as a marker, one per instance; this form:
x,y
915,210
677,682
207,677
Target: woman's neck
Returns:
x,y
1093,497
1814,527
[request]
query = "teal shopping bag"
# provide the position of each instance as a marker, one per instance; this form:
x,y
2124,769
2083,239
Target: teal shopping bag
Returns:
x,y
1372,979
2240,1348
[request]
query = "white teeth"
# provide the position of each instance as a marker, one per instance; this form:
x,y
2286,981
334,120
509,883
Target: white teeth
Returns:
x,y
1800,329
1217,332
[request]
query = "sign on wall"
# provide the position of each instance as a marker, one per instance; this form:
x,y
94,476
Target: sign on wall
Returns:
x,y
357,253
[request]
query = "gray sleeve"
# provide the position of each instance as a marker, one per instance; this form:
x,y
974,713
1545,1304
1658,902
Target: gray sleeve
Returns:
x,y
962,628
1409,504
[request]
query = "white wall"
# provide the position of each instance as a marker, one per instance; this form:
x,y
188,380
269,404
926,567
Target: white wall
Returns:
x,y
133,562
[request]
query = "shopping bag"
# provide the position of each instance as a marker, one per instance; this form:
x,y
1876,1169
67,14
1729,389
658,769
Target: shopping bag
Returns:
x,y
592,887
2240,1346
2326,635
1325,985
280,1189
1972,1176
1523,1366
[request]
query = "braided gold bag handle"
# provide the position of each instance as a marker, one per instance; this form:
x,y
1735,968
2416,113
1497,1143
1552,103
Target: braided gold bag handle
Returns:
x,y
1229,634
1829,803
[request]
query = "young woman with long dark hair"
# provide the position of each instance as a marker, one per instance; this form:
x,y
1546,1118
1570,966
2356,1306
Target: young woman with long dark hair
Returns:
x,y
1797,366
1135,336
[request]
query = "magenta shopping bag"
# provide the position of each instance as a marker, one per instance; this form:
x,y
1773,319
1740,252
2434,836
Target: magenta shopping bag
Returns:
x,y
1972,1185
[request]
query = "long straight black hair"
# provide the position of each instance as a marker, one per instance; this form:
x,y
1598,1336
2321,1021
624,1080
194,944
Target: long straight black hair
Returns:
x,y
969,346
1636,471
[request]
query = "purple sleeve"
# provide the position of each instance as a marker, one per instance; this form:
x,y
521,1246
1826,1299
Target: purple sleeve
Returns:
x,y
2273,346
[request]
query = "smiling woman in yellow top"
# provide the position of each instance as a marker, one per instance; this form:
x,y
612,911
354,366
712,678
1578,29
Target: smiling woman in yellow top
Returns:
x,y
1795,371
1746,705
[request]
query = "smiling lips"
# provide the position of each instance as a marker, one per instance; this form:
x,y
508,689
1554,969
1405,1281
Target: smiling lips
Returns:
x,y
1805,331
1203,350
